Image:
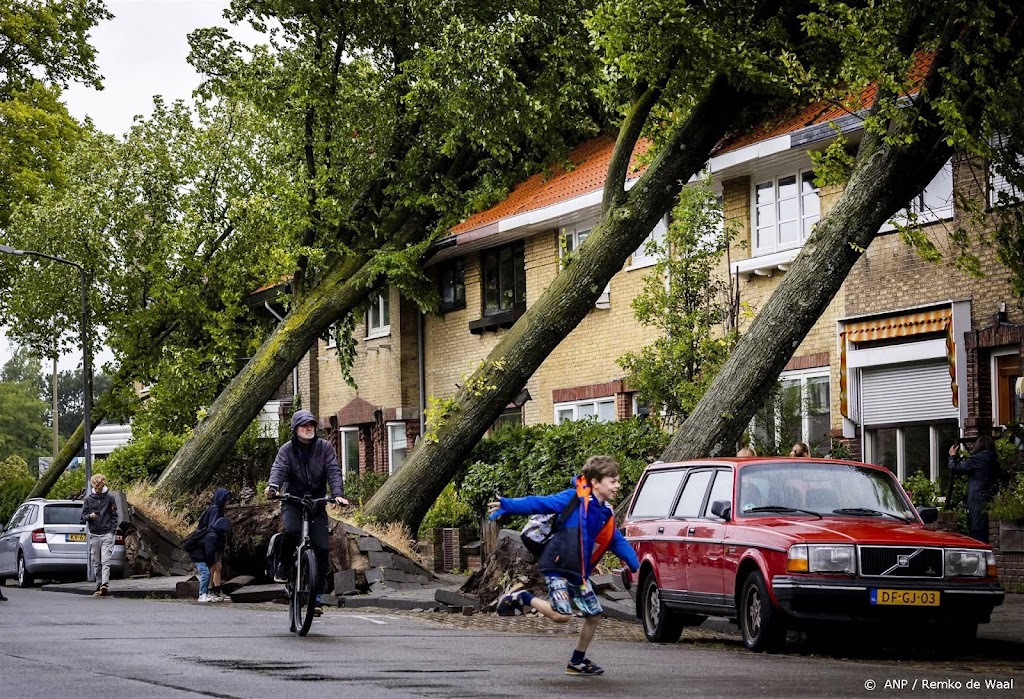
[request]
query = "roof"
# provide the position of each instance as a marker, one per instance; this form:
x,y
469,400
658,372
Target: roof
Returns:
x,y
588,167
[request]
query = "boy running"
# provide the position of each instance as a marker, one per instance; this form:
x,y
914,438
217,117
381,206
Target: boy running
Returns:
x,y
572,552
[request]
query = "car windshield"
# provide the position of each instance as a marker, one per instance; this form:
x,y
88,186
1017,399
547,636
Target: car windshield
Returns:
x,y
767,489
62,514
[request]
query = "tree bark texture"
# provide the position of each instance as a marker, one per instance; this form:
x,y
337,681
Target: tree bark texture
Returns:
x,y
625,223
344,287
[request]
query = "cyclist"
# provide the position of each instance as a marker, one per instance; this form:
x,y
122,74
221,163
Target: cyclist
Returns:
x,y
305,465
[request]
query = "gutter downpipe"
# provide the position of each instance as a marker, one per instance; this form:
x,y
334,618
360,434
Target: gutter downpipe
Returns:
x,y
295,369
421,370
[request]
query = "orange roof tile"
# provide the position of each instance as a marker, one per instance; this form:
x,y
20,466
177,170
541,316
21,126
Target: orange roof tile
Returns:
x,y
590,161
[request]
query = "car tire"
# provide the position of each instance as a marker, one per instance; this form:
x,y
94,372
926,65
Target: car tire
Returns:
x,y
25,578
762,625
661,625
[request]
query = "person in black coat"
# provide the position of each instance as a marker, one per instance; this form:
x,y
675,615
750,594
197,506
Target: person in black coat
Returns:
x,y
212,514
982,469
207,551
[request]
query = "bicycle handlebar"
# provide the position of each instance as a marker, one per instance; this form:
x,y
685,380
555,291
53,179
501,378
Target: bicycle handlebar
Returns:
x,y
306,501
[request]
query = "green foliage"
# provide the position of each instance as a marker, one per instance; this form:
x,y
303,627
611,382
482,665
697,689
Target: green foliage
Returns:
x,y
1008,503
542,459
71,484
360,487
449,510
922,490
250,458
957,504
15,483
23,419
142,459
694,311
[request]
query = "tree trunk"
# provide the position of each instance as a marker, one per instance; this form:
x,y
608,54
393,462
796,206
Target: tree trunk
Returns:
x,y
625,222
64,456
344,287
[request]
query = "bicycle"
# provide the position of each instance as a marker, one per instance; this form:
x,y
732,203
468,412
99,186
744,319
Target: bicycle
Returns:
x,y
302,580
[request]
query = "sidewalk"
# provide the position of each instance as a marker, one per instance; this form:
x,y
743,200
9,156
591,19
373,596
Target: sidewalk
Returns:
x,y
1006,627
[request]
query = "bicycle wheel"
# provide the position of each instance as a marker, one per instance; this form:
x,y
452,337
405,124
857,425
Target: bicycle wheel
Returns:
x,y
304,593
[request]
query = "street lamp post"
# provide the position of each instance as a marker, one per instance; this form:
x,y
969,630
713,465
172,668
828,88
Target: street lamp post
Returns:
x,y
86,366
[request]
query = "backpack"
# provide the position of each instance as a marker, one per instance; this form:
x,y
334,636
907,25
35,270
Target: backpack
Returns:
x,y
540,528
194,541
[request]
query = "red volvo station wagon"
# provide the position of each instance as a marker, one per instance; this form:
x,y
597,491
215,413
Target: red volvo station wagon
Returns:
x,y
781,543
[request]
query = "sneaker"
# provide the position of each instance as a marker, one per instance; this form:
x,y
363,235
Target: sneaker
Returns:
x,y
512,600
280,575
318,610
97,593
203,599
102,592
584,667
220,597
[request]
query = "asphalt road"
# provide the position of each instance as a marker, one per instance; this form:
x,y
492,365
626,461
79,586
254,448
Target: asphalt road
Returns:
x,y
55,645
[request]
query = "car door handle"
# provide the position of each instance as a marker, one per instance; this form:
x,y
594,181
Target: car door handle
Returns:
x,y
691,530
661,530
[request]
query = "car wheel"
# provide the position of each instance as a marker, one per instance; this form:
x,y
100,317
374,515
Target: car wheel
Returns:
x,y
761,624
25,578
660,624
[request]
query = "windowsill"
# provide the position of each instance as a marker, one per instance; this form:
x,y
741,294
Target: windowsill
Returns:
x,y
923,219
461,306
765,265
505,319
383,332
643,263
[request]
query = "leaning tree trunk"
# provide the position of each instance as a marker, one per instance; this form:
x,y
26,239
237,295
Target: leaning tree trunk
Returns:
x,y
345,286
626,221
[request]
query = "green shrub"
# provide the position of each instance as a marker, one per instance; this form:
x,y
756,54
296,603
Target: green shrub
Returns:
x,y
70,485
1008,504
542,459
16,482
922,490
449,510
141,459
359,488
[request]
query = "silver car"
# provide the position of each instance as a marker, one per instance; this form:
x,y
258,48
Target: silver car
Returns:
x,y
46,539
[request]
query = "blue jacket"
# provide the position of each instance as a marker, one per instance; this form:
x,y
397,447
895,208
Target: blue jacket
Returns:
x,y
307,469
563,554
212,544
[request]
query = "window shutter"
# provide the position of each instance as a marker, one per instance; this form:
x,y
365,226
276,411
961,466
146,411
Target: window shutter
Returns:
x,y
907,393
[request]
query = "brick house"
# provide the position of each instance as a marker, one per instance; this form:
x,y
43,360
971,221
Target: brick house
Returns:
x,y
908,356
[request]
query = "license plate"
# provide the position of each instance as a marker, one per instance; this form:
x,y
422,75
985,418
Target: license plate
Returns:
x,y
907,598
74,537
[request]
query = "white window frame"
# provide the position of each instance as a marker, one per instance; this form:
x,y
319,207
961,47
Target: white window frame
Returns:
x,y
382,308
641,258
347,433
804,376
576,408
394,444
574,237
997,182
934,203
804,219
331,343
937,452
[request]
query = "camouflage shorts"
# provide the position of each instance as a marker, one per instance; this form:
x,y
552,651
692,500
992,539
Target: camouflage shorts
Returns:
x,y
560,592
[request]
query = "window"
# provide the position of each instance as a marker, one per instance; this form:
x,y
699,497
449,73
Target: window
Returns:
x,y
934,203
799,412
504,279
692,498
396,445
785,210
721,490
909,449
378,318
603,409
451,283
657,493
62,514
349,451
1001,190
570,240
1008,408
510,417
644,256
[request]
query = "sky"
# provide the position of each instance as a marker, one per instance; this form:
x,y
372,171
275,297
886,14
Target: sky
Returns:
x,y
140,53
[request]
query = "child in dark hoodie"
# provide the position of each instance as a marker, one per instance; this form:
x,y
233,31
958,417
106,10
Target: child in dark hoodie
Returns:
x,y
208,550
212,514
99,511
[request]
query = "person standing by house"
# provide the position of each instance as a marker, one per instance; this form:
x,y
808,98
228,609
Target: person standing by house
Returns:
x,y
800,450
572,552
207,551
746,452
99,512
305,465
982,469
212,514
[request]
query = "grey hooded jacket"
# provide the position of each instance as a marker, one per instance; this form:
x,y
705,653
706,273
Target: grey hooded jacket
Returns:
x,y
306,469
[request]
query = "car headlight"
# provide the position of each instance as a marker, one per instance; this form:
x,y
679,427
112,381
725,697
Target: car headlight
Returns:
x,y
819,558
976,563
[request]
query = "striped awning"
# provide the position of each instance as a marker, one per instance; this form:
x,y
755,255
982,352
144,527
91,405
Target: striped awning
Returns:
x,y
906,325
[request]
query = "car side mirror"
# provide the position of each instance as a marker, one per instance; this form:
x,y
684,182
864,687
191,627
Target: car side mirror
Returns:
x,y
721,508
928,514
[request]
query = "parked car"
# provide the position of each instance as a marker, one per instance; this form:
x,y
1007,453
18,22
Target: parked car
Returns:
x,y
781,543
46,539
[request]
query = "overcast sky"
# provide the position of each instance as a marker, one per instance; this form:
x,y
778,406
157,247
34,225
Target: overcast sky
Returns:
x,y
140,53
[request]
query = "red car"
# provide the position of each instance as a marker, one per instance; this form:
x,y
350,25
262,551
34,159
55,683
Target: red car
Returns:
x,y
781,543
